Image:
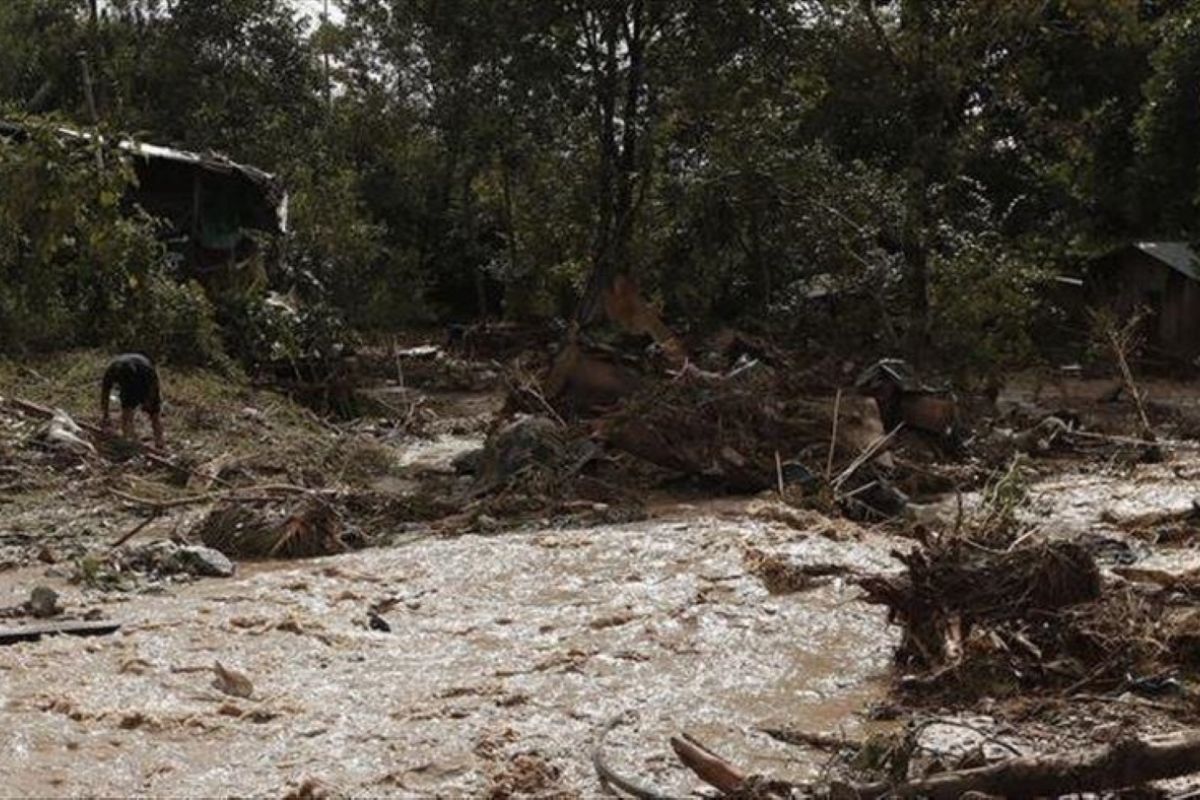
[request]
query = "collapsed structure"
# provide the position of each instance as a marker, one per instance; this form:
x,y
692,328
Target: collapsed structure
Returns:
x,y
220,216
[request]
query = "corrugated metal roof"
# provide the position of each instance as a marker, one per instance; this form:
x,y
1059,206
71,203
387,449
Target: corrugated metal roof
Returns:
x,y
266,184
1179,256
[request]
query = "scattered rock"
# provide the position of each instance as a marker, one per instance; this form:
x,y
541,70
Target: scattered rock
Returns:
x,y
167,558
43,602
204,561
378,623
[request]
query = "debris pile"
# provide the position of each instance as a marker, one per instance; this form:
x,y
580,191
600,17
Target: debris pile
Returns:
x,y
534,466
988,623
311,527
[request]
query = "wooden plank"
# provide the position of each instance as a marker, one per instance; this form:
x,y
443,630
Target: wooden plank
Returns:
x,y
33,633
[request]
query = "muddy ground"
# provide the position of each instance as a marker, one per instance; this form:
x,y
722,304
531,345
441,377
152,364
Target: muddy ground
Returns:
x,y
482,658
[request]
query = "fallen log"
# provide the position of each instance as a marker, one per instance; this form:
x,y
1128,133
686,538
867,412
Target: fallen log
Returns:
x,y
1126,763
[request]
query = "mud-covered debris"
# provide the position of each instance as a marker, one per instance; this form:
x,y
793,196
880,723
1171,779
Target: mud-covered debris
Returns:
x,y
528,775
231,682
313,527
780,575
903,397
309,789
740,429
949,589
43,603
531,448
979,623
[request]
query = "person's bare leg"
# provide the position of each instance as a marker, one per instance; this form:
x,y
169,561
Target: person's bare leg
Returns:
x,y
127,424
156,424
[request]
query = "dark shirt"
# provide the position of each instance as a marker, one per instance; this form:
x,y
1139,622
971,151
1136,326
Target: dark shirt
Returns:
x,y
136,379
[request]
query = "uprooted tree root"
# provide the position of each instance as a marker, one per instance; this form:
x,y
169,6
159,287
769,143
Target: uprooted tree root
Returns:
x,y
314,527
982,623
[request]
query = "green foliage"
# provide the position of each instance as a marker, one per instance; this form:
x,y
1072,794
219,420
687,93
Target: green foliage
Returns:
x,y
70,257
926,164
171,321
273,328
985,292
1168,128
77,267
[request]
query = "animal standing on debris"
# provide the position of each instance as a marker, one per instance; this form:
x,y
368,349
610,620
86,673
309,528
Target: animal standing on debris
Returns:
x,y
137,381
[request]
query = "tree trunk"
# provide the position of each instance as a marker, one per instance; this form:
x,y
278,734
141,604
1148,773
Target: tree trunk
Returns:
x,y
1127,763
618,160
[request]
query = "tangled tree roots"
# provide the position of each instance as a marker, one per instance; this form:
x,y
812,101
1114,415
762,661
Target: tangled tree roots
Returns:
x,y
1027,615
242,530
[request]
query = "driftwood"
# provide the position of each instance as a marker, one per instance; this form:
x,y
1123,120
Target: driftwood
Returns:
x,y
951,588
820,741
132,532
1124,764
32,633
708,766
1131,762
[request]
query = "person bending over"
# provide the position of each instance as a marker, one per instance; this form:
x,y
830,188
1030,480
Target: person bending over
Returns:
x,y
137,381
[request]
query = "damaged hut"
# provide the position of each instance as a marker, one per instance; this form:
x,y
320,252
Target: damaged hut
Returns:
x,y
220,216
1161,277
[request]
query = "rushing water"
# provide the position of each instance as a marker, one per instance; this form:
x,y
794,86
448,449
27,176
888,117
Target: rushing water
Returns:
x,y
500,646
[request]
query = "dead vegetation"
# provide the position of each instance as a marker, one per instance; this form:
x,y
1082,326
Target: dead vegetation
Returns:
x,y
311,527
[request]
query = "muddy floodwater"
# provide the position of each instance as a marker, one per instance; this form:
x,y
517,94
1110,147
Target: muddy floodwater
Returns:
x,y
504,652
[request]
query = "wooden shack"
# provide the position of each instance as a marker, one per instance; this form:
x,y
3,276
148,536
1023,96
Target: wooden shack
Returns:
x,y
215,211
1162,277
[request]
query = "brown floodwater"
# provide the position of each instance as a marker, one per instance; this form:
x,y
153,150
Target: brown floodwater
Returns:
x,y
505,651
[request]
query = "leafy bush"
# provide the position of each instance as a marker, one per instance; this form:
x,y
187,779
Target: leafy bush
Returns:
x,y
268,328
172,321
78,266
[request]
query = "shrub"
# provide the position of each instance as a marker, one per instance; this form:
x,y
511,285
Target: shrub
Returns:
x,y
172,321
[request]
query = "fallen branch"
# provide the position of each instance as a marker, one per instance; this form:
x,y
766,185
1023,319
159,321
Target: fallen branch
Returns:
x,y
708,766
125,537
867,454
246,494
820,741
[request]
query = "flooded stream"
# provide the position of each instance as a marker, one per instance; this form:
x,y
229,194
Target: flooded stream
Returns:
x,y
518,646
506,655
